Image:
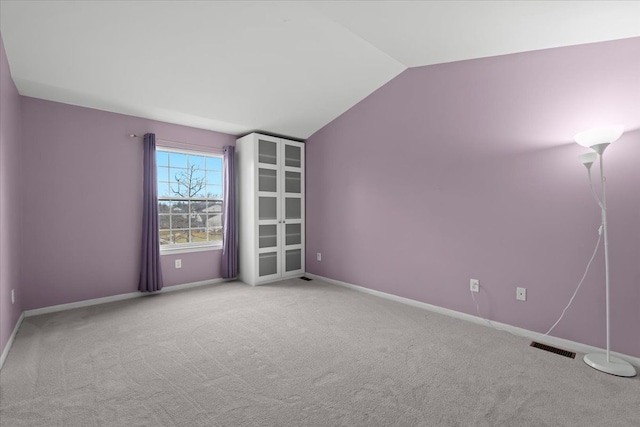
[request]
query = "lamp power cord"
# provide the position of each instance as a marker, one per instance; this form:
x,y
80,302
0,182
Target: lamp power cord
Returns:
x,y
595,251
586,271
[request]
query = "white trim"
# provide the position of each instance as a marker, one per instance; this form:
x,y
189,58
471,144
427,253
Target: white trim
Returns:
x,y
179,248
7,347
560,342
120,297
197,151
188,249
192,285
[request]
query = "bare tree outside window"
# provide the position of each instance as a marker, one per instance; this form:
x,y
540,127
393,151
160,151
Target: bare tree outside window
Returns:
x,y
187,183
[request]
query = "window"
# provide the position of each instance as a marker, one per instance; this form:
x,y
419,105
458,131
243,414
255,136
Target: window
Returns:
x,y
189,199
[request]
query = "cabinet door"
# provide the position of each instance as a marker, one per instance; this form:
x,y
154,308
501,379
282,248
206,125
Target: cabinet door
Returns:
x,y
292,173
269,209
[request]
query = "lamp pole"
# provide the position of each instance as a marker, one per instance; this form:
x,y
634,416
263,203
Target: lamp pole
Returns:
x,y
598,140
606,251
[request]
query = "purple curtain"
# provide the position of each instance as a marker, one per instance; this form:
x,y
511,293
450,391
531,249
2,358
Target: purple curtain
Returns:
x,y
150,273
229,241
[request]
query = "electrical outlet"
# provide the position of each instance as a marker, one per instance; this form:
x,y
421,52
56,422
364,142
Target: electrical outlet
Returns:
x,y
13,296
474,285
318,256
521,294
178,263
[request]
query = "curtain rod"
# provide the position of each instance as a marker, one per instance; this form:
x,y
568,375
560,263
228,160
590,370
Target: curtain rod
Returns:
x,y
220,149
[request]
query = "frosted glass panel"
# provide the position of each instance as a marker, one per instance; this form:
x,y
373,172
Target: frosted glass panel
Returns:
x,y
267,264
292,208
293,260
267,237
267,180
267,152
292,182
293,234
267,208
292,156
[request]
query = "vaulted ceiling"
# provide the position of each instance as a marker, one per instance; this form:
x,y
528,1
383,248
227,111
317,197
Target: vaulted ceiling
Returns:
x,y
284,67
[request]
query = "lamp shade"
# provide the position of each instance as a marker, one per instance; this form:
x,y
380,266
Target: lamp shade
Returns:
x,y
587,159
600,135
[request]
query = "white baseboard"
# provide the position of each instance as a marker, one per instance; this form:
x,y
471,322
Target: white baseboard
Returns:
x,y
555,341
96,301
5,352
120,297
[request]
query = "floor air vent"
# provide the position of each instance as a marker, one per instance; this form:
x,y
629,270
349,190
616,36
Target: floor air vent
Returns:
x,y
555,350
305,278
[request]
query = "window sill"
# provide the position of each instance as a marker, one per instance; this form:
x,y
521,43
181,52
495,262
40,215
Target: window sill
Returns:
x,y
188,249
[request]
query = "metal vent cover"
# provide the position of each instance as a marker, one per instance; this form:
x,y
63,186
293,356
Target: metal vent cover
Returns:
x,y
555,350
305,278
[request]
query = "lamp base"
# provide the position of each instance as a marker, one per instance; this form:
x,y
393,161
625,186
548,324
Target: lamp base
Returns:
x,y
615,365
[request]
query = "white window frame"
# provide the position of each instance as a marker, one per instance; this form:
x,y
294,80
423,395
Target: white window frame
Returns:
x,y
179,248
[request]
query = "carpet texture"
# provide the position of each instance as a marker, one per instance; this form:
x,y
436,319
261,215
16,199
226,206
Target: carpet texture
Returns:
x,y
293,354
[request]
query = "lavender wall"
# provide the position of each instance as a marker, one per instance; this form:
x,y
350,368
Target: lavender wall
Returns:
x,y
468,170
10,198
82,188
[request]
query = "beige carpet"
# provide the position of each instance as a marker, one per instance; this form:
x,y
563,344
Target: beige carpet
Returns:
x,y
293,354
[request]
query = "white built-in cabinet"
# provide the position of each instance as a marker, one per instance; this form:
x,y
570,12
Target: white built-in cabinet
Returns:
x,y
270,178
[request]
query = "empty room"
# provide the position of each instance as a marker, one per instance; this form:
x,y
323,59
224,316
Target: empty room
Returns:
x,y
319,213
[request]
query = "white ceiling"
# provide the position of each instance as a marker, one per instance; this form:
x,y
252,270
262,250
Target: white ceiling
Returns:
x,y
286,67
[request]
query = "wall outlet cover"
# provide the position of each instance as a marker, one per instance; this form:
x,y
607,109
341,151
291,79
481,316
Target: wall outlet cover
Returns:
x,y
521,294
474,285
178,263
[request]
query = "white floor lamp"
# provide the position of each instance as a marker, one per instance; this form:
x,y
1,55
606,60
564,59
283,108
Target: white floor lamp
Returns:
x,y
598,140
